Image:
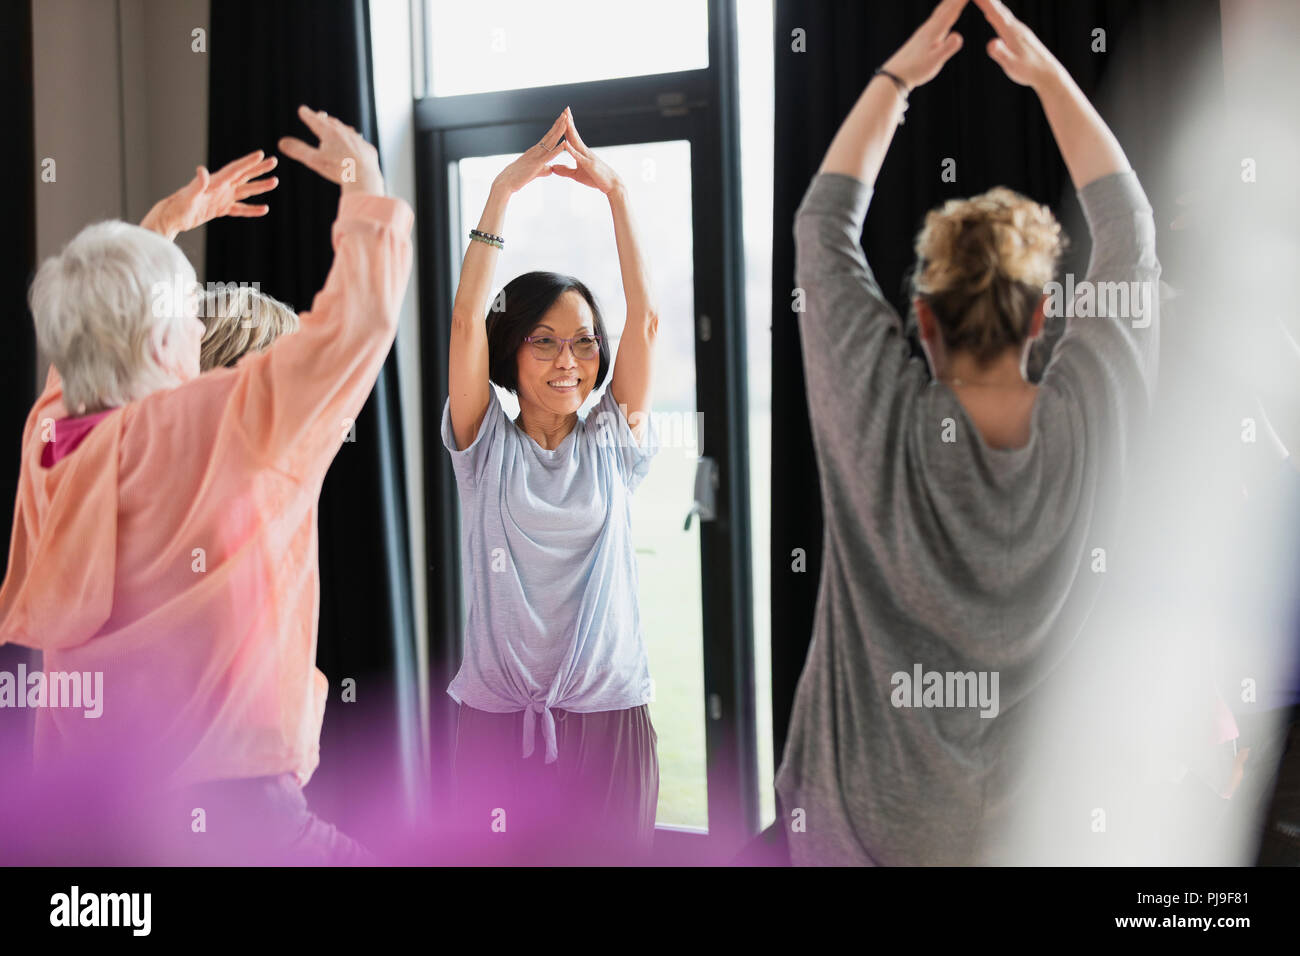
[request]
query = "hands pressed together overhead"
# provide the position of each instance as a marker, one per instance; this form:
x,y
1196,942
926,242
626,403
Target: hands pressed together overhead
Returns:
x,y
589,169
1016,49
537,162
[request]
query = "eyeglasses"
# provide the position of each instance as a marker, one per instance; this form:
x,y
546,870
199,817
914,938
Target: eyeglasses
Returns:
x,y
547,347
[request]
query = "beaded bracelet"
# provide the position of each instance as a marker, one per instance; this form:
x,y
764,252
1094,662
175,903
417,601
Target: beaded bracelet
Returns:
x,y
487,237
903,89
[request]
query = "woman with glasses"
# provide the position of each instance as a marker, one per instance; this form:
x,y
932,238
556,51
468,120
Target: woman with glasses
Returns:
x,y
553,643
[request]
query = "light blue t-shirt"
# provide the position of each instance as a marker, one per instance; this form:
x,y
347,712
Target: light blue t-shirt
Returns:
x,y
548,569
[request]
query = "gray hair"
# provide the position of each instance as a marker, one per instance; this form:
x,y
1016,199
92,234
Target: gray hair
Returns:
x,y
103,309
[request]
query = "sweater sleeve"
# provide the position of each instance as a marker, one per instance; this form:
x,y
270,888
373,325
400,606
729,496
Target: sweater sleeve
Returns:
x,y
296,403
1106,361
856,359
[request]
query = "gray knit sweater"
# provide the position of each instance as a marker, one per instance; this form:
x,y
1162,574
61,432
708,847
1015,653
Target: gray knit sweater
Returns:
x,y
954,576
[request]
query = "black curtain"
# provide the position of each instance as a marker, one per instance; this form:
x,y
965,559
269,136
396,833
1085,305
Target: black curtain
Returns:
x,y
18,357
266,60
1157,53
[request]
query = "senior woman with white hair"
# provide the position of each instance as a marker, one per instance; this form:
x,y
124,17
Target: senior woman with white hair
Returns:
x,y
164,533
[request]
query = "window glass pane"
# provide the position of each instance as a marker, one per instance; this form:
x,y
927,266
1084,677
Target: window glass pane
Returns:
x,y
516,44
559,225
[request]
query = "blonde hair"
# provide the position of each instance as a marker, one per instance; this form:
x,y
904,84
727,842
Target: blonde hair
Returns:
x,y
239,320
982,264
105,308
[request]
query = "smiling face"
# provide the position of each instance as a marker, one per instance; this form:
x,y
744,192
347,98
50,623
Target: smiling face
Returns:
x,y
559,385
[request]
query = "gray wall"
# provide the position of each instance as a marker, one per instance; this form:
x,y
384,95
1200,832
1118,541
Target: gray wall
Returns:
x,y
121,105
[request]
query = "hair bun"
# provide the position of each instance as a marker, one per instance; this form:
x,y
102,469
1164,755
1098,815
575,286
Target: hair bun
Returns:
x,y
981,259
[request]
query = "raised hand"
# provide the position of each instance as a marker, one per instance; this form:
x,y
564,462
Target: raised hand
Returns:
x,y
1016,49
343,156
532,163
590,169
207,197
919,60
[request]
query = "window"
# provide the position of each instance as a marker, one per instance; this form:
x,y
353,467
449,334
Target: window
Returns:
x,y
515,44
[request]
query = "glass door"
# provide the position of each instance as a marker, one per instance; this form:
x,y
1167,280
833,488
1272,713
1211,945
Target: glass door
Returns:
x,y
673,138
561,226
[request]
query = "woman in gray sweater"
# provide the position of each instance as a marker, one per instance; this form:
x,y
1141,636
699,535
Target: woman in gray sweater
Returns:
x,y
966,508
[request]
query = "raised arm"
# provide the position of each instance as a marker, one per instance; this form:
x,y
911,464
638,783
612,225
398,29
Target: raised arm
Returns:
x,y
859,148
1089,148
846,315
294,402
211,196
1111,358
468,388
633,367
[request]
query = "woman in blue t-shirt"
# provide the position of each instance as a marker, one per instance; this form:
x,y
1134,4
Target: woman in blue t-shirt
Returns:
x,y
553,640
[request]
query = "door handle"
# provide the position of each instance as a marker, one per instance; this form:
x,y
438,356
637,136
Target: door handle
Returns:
x,y
706,492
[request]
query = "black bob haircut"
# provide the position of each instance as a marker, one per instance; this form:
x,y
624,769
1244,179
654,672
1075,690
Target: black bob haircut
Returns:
x,y
527,299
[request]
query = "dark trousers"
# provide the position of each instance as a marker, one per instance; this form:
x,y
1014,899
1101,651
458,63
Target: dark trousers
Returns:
x,y
595,804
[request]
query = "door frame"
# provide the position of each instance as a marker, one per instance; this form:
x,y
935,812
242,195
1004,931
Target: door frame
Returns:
x,y
699,106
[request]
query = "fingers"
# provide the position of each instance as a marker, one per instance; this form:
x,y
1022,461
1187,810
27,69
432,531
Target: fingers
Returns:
x,y
245,211
315,120
945,15
998,16
236,167
296,149
572,131
550,140
256,188
569,172
260,169
951,44
240,172
999,53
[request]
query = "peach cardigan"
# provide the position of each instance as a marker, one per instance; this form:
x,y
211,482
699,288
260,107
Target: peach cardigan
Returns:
x,y
174,550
